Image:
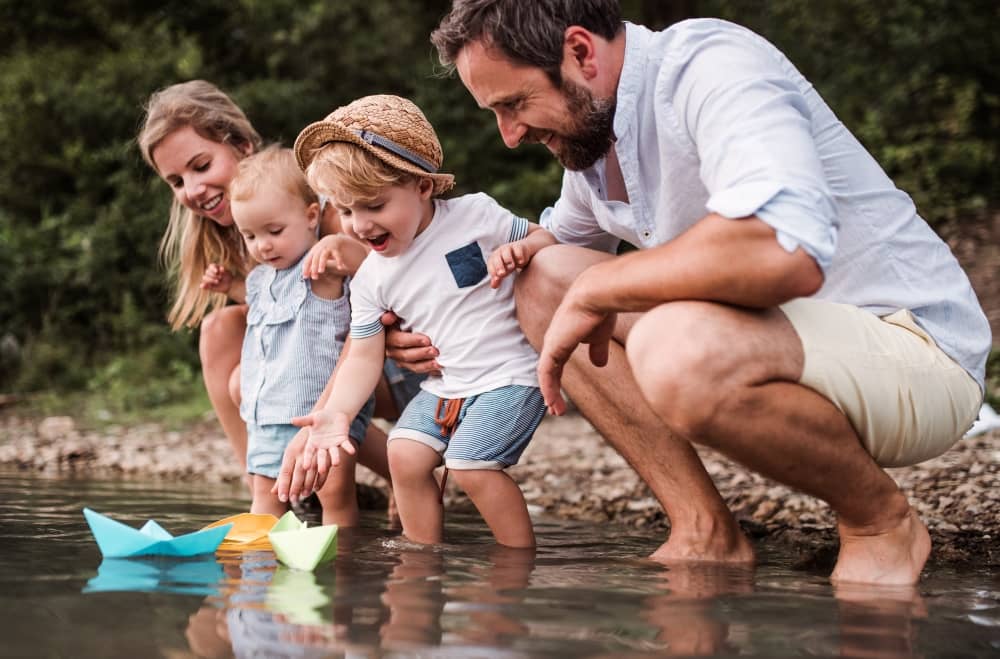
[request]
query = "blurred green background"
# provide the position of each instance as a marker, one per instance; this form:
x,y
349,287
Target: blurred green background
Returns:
x,y
83,300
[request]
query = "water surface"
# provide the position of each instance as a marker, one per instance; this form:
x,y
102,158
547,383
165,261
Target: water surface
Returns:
x,y
586,592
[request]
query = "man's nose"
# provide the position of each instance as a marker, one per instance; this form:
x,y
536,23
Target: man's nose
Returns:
x,y
511,131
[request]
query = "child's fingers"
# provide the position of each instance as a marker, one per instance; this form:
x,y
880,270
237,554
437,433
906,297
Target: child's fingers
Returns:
x,y
348,446
295,484
308,482
303,421
308,455
322,465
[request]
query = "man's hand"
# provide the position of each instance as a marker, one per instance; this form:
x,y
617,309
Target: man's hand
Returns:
x,y
572,324
216,279
412,351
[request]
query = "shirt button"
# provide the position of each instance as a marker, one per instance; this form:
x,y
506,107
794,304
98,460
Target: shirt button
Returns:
x,y
645,234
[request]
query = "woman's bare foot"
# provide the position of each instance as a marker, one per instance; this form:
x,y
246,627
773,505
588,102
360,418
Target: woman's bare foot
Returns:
x,y
893,557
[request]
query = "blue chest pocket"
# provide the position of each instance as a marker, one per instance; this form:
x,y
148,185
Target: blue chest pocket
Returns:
x,y
467,265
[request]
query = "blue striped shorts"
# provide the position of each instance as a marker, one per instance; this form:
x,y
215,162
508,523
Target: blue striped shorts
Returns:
x,y
493,428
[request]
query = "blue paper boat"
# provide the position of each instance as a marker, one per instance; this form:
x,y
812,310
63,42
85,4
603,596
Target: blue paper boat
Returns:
x,y
117,540
198,576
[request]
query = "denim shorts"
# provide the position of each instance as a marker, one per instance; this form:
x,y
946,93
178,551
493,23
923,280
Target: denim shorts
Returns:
x,y
493,428
266,444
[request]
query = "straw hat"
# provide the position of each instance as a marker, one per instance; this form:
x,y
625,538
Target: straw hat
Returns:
x,y
391,128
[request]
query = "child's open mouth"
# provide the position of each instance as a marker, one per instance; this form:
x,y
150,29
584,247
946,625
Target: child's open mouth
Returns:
x,y
378,242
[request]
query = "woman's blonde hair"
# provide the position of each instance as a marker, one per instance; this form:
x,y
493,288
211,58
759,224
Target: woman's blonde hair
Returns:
x,y
192,242
349,174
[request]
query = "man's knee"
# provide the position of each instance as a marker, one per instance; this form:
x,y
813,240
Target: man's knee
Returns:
x,y
540,287
675,362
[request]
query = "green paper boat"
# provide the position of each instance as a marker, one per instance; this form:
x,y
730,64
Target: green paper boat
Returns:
x,y
302,547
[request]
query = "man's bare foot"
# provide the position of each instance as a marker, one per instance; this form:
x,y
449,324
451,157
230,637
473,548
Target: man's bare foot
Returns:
x,y
891,558
729,546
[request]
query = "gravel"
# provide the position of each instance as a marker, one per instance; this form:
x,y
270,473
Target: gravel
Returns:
x,y
567,471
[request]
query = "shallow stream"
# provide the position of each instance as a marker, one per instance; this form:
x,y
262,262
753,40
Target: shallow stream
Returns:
x,y
585,592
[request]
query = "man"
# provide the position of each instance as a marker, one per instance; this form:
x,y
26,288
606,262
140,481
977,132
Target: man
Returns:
x,y
786,307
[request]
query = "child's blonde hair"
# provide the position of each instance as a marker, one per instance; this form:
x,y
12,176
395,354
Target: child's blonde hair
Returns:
x,y
272,166
192,242
349,174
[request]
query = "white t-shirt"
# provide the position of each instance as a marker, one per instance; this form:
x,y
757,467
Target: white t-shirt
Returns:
x,y
440,287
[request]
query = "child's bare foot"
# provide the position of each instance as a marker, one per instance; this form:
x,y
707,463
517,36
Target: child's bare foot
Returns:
x,y
893,557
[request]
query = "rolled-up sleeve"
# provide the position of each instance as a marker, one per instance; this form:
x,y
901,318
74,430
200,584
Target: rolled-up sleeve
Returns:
x,y
744,114
571,220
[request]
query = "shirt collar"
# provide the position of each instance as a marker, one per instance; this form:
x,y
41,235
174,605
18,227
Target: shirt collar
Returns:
x,y
631,79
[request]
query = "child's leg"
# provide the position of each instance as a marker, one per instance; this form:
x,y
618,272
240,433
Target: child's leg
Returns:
x,y
500,502
372,452
338,495
264,501
418,495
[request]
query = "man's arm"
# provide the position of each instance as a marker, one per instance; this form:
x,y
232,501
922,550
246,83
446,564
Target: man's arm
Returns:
x,y
722,260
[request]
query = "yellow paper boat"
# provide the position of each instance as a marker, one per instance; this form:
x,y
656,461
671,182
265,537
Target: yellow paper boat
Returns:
x,y
249,532
302,547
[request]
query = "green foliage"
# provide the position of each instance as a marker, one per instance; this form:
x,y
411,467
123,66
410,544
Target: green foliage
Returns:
x,y
915,80
82,300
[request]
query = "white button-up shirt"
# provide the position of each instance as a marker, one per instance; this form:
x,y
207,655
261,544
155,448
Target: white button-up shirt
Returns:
x,y
713,118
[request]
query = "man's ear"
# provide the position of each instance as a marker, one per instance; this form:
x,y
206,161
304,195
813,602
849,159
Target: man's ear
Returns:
x,y
579,52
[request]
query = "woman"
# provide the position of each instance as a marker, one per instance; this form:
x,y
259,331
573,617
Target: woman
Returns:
x,y
193,136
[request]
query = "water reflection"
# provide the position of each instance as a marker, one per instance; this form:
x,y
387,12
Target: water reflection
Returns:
x,y
878,622
193,576
687,612
584,592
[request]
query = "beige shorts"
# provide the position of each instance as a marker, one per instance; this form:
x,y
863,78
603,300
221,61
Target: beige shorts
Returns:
x,y
907,399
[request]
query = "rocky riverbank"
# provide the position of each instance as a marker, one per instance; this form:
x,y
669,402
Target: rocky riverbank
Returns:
x,y
568,471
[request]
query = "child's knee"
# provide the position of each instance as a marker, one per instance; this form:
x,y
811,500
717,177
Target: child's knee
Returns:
x,y
411,461
339,490
474,481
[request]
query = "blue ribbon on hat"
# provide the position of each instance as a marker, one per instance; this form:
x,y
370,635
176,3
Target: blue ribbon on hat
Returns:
x,y
400,150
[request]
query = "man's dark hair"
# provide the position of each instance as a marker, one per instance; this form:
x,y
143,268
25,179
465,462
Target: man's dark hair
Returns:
x,y
526,31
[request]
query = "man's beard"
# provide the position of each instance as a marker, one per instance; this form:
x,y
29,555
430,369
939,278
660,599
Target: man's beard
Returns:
x,y
591,131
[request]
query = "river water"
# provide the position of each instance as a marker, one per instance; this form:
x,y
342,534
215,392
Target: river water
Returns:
x,y
585,592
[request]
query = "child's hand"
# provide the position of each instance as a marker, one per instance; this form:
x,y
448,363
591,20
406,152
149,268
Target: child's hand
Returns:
x,y
216,279
328,432
507,259
341,255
